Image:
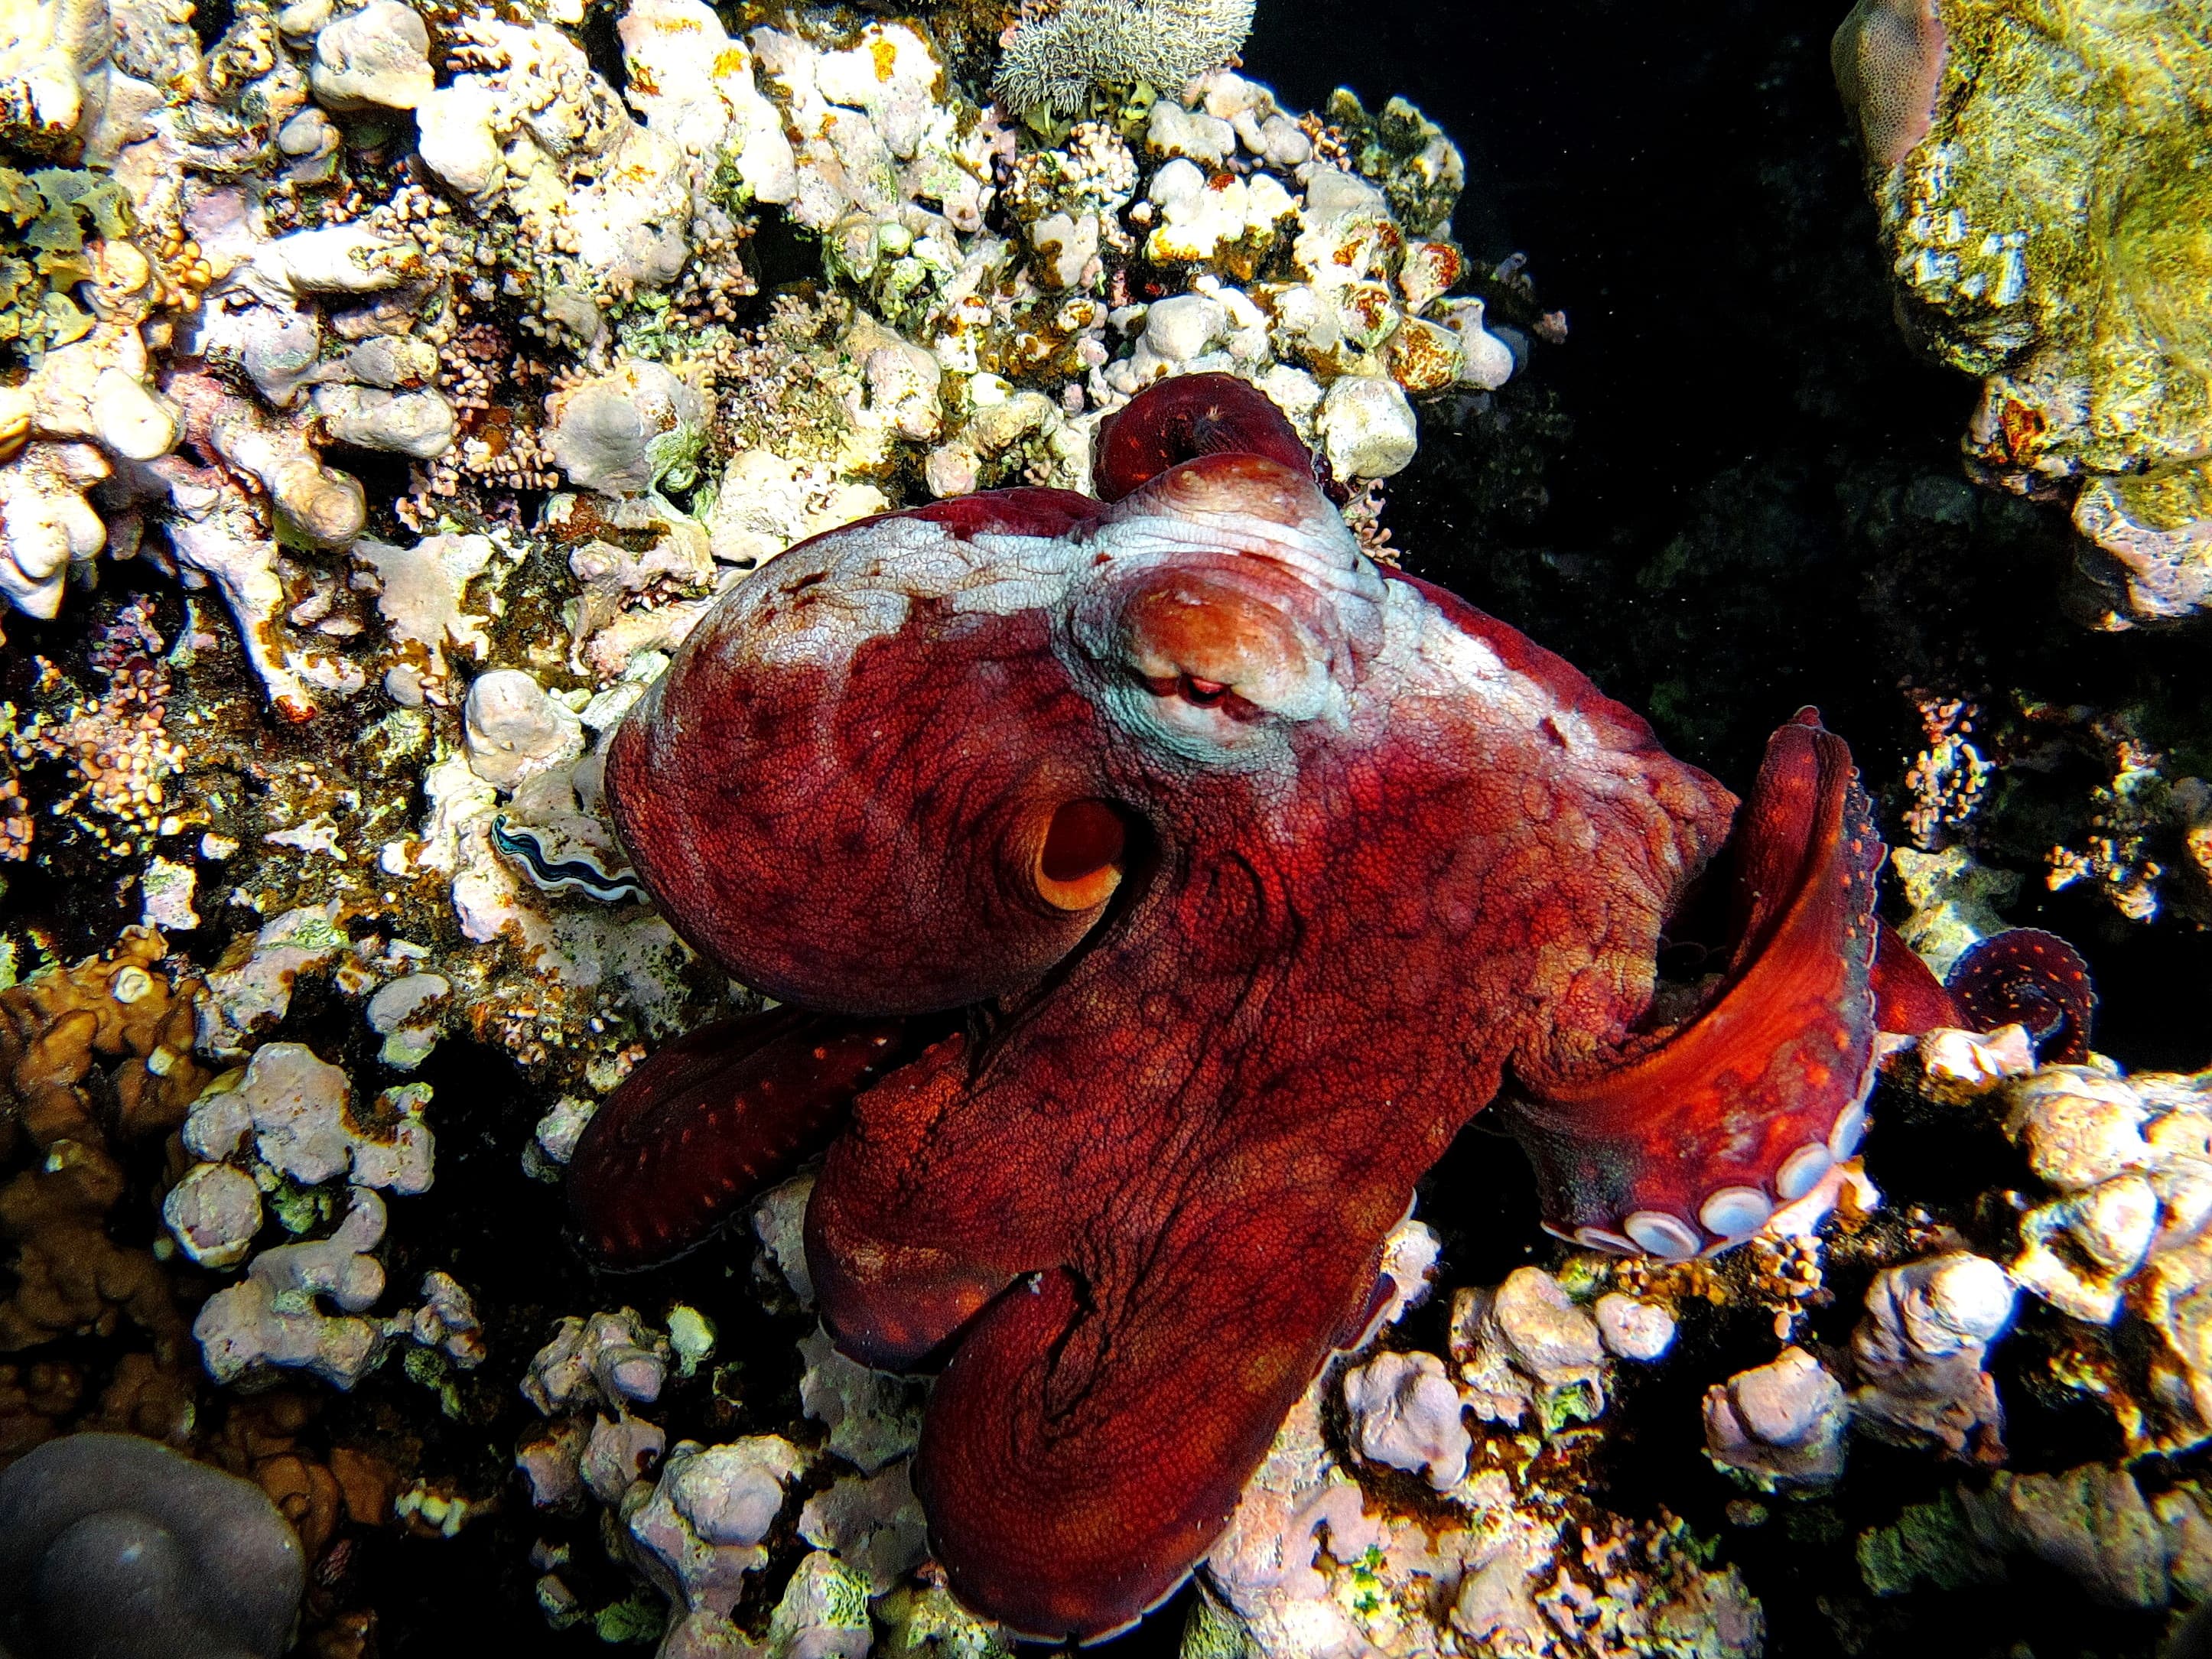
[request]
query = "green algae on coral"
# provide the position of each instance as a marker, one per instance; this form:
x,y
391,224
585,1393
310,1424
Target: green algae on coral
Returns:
x,y
2048,233
43,219
1420,169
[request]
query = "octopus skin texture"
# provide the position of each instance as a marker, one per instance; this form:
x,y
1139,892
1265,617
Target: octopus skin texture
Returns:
x,y
1155,886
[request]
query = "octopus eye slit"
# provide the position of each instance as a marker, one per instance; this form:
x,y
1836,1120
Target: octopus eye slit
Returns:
x,y
1187,688
1080,857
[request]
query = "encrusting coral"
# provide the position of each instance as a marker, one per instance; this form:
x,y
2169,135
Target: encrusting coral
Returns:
x,y
64,1103
2036,171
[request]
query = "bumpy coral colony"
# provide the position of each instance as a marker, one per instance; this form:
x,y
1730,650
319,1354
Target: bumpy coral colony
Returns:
x,y
777,619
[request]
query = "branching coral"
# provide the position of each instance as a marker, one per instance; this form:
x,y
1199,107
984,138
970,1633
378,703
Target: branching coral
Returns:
x,y
116,746
1054,65
1948,778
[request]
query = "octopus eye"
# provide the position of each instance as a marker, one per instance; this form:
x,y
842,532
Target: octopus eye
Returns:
x,y
1220,654
1080,857
1192,688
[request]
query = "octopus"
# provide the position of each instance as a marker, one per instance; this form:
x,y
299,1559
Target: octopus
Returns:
x,y
1152,887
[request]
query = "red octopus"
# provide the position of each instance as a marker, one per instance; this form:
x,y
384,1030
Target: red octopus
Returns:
x,y
1157,886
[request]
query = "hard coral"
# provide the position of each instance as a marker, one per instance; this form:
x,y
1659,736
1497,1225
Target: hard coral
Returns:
x,y
1928,1327
1888,58
56,1029
269,1440
120,754
70,1276
1054,65
116,1547
273,1317
2037,173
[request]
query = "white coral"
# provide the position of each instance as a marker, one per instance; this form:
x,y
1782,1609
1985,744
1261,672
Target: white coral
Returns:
x,y
1526,1345
45,524
698,1531
1781,1425
621,431
378,56
1405,1414
273,1317
1922,1348
512,731
296,1107
694,87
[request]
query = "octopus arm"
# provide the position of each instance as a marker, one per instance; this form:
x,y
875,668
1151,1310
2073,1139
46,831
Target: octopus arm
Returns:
x,y
2035,978
905,1250
1909,999
701,1126
1184,418
1689,1141
1088,1438
1024,510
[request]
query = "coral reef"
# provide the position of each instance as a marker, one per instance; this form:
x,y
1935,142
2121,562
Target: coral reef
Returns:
x,y
2035,174
387,390
1527,1347
1516,1559
1781,1424
1057,64
1921,1349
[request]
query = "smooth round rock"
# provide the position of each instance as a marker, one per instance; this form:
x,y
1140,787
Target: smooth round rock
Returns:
x,y
1179,329
113,1546
511,730
379,55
